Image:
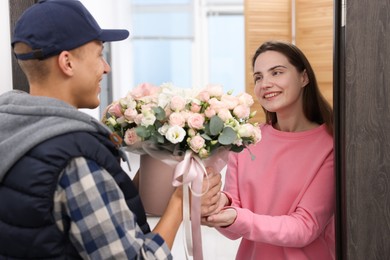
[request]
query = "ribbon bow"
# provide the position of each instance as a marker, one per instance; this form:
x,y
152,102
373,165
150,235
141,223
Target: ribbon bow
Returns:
x,y
189,173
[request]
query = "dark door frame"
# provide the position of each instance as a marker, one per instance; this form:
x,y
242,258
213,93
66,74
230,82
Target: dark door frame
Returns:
x,y
339,131
16,8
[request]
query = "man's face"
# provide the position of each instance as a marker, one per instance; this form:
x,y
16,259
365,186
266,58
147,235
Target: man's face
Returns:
x,y
89,69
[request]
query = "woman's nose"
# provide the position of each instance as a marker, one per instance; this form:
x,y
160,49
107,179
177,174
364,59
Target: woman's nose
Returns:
x,y
266,83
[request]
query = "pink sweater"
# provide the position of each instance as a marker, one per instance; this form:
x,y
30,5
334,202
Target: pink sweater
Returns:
x,y
285,198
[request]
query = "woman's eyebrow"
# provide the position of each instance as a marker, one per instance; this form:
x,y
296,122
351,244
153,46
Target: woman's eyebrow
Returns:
x,y
270,69
277,66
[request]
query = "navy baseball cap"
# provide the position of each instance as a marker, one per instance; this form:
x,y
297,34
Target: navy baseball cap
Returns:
x,y
52,26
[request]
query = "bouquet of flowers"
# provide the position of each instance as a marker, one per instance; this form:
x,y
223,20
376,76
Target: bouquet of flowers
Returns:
x,y
187,129
184,119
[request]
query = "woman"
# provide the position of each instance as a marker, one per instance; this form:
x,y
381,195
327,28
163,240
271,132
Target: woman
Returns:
x,y
282,203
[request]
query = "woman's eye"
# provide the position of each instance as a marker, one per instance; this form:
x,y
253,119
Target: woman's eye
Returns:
x,y
257,79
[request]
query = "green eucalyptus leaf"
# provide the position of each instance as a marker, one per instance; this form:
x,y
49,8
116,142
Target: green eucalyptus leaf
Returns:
x,y
206,137
151,128
142,132
159,113
158,124
216,125
228,136
159,138
206,129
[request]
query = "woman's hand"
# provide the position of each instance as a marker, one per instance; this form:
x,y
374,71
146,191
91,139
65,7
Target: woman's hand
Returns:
x,y
224,218
210,201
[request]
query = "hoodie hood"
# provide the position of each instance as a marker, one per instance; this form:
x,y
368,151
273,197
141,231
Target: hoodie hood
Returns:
x,y
29,120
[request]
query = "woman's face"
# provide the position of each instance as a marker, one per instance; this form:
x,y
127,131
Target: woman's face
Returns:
x,y
278,84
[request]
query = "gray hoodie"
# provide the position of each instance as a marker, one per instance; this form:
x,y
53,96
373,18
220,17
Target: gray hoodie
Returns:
x,y
26,121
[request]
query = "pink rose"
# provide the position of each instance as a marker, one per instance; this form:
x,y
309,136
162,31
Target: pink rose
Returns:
x,y
241,111
115,109
245,99
224,114
191,132
196,143
203,96
176,119
177,103
230,101
195,121
168,111
185,114
138,119
131,137
147,107
195,107
130,114
215,90
216,105
144,89
209,112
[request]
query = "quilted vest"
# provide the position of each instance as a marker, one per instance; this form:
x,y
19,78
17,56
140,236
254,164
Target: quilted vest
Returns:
x,y
27,226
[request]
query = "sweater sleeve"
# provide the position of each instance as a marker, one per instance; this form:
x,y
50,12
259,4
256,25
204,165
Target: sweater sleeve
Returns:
x,y
305,221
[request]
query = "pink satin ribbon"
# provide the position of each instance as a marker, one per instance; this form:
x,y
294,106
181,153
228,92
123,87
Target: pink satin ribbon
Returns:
x,y
189,173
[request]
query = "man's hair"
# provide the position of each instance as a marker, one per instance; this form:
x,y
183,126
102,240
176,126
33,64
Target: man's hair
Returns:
x,y
35,70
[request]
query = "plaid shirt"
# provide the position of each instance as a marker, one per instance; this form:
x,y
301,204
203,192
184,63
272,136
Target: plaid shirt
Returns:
x,y
102,226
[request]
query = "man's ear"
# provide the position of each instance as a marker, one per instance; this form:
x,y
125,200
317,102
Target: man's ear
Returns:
x,y
65,63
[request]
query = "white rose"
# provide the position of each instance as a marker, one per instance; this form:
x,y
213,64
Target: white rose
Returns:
x,y
148,119
163,130
175,134
246,130
112,121
128,102
163,100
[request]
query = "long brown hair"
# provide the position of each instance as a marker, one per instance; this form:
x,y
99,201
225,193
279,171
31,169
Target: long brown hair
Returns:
x,y
315,106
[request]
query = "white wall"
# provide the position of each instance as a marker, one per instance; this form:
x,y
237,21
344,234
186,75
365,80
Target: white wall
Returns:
x,y
5,48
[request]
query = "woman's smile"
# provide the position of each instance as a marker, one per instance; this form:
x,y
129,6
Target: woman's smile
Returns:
x,y
270,95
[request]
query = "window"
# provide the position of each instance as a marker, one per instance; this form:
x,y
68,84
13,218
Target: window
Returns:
x,y
226,51
189,43
162,41
106,83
